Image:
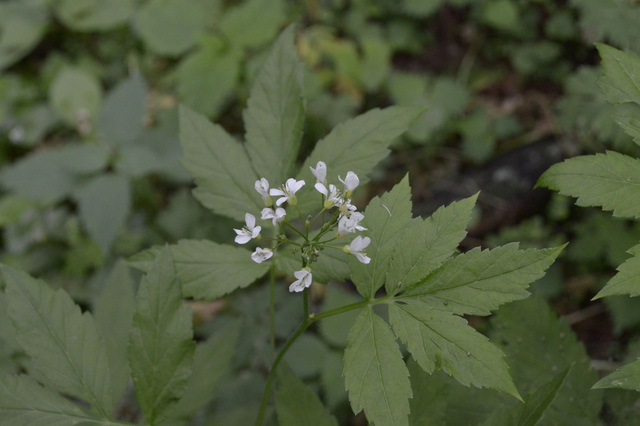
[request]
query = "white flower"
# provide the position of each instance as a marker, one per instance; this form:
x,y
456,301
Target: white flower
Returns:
x,y
332,195
249,232
276,215
262,186
261,254
350,224
320,172
350,183
356,248
288,191
304,280
346,208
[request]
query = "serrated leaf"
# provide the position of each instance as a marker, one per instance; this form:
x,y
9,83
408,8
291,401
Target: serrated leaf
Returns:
x,y
75,95
24,402
608,180
479,281
440,340
621,82
121,118
161,343
208,270
63,344
104,204
113,313
219,165
626,280
426,244
626,377
376,376
171,27
94,15
275,112
252,23
385,218
296,404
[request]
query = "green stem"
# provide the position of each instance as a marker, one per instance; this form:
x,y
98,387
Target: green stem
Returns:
x,y
272,309
295,230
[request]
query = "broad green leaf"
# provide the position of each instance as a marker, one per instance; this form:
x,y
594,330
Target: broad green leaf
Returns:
x,y
609,180
626,280
479,281
385,218
104,204
275,112
94,15
426,244
121,118
440,340
161,343
252,23
537,404
220,167
22,25
207,77
66,353
621,82
630,124
81,159
75,95
430,396
296,404
376,376
171,27
208,270
113,313
24,402
332,265
626,377
358,144
539,346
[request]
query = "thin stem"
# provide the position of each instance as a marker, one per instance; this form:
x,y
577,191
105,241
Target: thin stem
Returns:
x,y
295,230
305,302
272,309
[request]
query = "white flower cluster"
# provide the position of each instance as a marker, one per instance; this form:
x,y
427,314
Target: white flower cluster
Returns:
x,y
347,217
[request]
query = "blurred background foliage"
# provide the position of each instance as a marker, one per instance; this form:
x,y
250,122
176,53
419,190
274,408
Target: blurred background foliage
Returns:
x,y
89,157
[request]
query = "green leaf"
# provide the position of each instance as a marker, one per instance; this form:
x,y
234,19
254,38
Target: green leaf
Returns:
x,y
94,15
608,180
22,25
621,82
75,95
479,281
161,343
626,280
121,118
207,78
24,402
538,403
81,159
171,27
375,374
335,329
252,23
63,344
275,112
296,404
440,340
208,270
385,217
220,167
626,377
104,206
113,313
426,244
333,265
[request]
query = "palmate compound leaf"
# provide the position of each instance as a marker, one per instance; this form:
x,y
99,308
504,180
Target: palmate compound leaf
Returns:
x,y
441,340
426,244
376,376
219,165
385,219
627,280
65,351
275,112
24,402
479,281
608,180
161,343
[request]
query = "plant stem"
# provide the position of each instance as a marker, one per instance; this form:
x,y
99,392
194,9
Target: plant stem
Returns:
x,y
272,309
